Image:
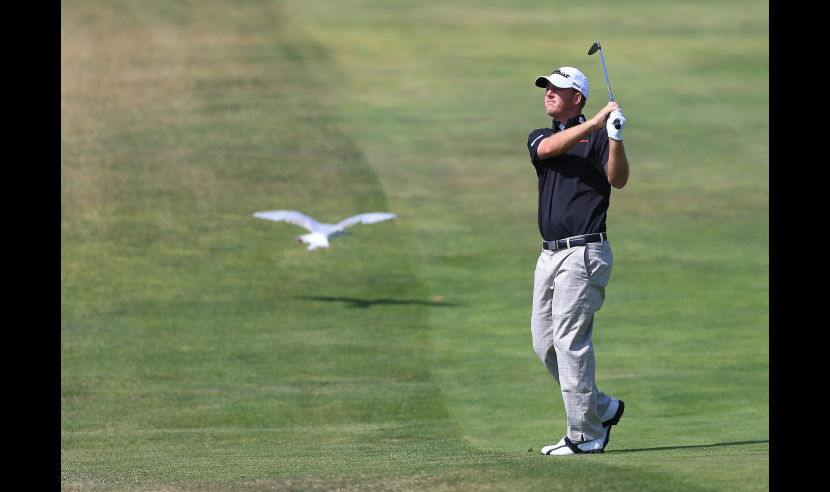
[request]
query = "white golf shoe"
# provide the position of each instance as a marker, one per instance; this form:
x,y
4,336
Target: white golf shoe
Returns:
x,y
566,446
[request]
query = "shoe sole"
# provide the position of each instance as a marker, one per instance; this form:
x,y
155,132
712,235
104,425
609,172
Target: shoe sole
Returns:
x,y
616,418
613,421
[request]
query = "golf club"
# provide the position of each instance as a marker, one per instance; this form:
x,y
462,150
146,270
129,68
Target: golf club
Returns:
x,y
594,48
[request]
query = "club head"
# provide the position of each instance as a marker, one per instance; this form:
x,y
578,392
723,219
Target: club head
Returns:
x,y
594,48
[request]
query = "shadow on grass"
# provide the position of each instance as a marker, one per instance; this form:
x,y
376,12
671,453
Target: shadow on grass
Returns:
x,y
668,448
367,303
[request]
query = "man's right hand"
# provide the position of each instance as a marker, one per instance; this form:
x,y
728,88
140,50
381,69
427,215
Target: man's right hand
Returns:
x,y
599,120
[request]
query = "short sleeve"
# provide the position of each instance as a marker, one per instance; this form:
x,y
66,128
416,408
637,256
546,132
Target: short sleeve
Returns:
x,y
534,139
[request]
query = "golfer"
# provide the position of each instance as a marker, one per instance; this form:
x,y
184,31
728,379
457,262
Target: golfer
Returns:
x,y
577,162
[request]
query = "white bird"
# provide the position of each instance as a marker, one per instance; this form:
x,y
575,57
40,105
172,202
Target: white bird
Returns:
x,y
320,233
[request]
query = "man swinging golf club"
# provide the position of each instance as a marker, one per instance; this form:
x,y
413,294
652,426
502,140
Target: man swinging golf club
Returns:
x,y
577,162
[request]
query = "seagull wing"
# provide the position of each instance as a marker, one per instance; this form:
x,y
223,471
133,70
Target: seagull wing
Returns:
x,y
368,218
292,217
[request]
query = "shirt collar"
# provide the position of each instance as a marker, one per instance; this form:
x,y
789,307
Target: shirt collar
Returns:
x,y
558,126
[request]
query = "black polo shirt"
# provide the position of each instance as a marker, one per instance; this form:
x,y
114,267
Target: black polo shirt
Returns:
x,y
574,192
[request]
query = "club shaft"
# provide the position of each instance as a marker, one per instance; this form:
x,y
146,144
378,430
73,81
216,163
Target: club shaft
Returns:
x,y
605,71
608,84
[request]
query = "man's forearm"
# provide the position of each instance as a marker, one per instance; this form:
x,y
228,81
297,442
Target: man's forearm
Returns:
x,y
561,142
617,163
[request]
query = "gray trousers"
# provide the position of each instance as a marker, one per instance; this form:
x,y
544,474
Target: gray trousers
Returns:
x,y
568,288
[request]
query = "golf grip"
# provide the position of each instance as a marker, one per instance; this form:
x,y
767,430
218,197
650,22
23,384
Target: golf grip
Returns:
x,y
611,97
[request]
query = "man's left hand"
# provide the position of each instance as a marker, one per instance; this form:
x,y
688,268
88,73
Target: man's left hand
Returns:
x,y
613,131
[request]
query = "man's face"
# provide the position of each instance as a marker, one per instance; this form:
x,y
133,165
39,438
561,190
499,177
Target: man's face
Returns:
x,y
561,103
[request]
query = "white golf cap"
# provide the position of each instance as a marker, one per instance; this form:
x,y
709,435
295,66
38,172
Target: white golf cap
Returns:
x,y
565,77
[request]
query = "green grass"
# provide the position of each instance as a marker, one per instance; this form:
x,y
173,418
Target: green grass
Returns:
x,y
204,349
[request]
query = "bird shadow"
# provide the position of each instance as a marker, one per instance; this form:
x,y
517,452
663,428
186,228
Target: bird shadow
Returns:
x,y
694,446
353,302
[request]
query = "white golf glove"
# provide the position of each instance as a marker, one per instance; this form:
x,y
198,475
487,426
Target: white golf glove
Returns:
x,y
613,132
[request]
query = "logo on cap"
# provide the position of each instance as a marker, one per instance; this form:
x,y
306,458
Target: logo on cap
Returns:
x,y
568,77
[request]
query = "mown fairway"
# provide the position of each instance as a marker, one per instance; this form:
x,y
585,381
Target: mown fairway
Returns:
x,y
204,349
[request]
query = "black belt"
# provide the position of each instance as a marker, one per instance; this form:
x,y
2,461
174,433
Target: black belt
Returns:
x,y
570,242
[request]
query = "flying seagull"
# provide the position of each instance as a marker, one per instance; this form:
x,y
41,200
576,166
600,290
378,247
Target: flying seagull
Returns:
x,y
319,233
